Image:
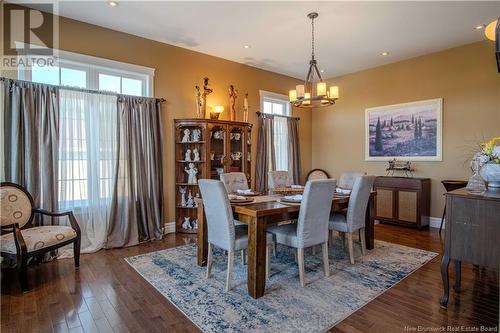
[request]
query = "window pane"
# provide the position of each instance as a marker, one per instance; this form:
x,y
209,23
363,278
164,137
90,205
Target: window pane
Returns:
x,y
131,87
278,108
73,78
45,74
268,107
109,83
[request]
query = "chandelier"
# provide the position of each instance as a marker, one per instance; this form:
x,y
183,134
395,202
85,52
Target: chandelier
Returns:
x,y
304,95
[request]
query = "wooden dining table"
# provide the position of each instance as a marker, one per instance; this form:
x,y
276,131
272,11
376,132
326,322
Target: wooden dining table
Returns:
x,y
267,210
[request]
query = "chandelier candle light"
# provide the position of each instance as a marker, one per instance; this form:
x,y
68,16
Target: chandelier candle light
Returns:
x,y
303,96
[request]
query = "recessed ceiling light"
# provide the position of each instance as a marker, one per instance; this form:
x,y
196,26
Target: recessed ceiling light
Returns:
x,y
385,53
479,27
322,70
246,46
113,3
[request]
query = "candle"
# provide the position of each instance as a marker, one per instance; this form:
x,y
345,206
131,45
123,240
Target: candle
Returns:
x,y
321,89
245,103
300,90
307,96
334,92
218,109
292,95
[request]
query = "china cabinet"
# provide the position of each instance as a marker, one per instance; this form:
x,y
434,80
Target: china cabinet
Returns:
x,y
206,148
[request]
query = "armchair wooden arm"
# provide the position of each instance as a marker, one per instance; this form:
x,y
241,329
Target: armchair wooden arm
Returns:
x,y
69,214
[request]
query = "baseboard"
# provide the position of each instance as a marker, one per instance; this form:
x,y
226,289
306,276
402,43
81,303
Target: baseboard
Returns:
x,y
435,222
169,228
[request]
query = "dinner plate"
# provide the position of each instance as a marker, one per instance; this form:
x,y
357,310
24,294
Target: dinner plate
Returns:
x,y
241,201
290,202
253,194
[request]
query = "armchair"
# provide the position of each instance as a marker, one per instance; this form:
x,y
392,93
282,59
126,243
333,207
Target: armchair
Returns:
x,y
21,240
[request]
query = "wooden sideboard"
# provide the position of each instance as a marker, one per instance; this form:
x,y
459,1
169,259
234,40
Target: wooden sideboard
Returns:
x,y
223,146
403,200
472,234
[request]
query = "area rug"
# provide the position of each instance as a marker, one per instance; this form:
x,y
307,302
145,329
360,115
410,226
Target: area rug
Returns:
x,y
286,306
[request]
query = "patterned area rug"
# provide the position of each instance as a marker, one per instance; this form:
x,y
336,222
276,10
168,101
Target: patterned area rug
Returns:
x,y
285,307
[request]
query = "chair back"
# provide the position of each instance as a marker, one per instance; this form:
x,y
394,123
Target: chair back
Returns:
x,y
278,179
347,179
16,205
312,225
220,222
356,211
317,174
234,181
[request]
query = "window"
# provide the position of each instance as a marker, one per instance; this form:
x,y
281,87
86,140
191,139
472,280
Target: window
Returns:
x,y
278,105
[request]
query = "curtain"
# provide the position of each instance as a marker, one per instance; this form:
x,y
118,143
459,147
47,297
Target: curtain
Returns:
x,y
293,149
87,162
137,207
266,156
31,135
280,142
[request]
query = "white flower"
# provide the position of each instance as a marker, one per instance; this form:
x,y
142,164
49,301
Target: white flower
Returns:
x,y
496,152
483,158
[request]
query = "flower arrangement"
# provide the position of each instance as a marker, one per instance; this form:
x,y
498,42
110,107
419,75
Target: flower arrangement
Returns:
x,y
490,151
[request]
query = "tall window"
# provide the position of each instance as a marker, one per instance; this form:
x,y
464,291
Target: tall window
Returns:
x,y
278,105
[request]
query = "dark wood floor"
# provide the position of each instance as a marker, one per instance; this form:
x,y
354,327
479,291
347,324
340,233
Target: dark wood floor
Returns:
x,y
106,295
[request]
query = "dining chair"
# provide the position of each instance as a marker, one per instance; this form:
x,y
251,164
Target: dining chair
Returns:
x,y
354,219
278,179
221,229
234,181
312,225
317,174
20,240
347,179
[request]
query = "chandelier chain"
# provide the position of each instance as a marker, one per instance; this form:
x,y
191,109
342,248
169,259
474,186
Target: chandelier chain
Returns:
x,y
312,37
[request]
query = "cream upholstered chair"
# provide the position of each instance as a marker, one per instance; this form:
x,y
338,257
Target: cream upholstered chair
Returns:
x,y
222,232
347,179
234,181
354,220
312,226
278,179
20,240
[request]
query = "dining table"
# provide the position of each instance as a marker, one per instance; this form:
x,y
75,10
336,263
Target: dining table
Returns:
x,y
267,210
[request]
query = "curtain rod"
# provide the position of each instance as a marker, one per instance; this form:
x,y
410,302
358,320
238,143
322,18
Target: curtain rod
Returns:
x,y
100,92
275,115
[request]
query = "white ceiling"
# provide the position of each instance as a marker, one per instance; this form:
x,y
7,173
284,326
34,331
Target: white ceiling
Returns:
x,y
349,35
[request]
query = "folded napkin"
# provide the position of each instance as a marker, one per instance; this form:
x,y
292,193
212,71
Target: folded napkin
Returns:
x,y
342,191
296,186
235,197
297,197
244,191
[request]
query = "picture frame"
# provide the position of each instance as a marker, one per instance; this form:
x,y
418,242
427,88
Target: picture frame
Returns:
x,y
407,131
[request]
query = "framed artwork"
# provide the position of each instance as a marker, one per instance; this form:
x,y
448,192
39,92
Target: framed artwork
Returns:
x,y
408,131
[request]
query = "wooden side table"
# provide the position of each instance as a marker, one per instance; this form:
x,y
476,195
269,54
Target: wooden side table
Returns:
x,y
450,185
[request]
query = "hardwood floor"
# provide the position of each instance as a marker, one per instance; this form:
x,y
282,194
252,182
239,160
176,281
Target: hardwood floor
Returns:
x,y
106,295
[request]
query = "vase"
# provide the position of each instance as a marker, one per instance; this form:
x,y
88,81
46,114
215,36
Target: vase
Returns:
x,y
491,175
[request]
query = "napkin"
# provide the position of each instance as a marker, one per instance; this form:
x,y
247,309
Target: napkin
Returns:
x,y
236,197
342,191
296,186
297,197
244,191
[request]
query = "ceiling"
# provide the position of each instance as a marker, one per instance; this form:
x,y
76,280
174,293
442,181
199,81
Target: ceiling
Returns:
x,y
350,36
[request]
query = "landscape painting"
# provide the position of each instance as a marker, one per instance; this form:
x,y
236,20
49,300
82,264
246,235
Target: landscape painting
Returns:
x,y
409,131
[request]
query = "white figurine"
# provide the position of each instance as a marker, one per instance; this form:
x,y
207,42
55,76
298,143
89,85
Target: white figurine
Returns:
x,y
194,224
182,190
187,155
192,172
196,154
185,138
190,201
186,224
195,137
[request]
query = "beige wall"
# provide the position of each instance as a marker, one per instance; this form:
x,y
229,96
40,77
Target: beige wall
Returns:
x,y
177,72
465,77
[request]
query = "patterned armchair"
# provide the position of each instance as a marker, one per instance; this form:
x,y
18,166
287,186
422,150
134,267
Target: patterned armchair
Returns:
x,y
20,240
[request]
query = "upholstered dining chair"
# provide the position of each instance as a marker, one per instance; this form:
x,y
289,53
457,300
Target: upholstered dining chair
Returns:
x,y
234,181
347,179
278,179
20,240
312,225
222,232
354,220
317,174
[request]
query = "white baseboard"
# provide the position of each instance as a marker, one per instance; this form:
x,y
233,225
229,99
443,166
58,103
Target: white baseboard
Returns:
x,y
169,228
435,222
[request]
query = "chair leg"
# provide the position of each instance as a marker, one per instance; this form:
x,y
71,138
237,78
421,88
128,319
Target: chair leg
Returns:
x,y
243,257
209,260
275,247
326,262
300,257
295,255
314,250
268,260
442,219
76,252
342,236
23,273
363,240
350,247
229,277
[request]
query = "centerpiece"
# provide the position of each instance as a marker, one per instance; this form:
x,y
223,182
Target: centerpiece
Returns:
x,y
489,158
